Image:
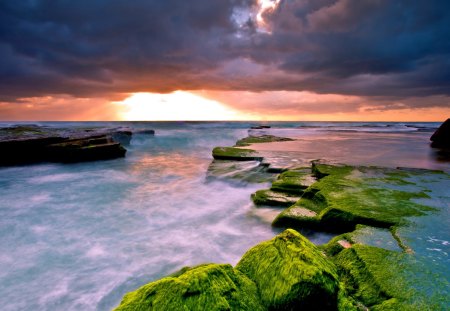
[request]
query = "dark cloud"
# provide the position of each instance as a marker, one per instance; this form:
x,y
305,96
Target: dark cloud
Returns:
x,y
97,48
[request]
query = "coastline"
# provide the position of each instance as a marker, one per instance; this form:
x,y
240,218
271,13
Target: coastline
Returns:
x,y
156,195
368,208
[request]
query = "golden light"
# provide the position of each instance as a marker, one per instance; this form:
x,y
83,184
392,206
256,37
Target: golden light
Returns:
x,y
176,106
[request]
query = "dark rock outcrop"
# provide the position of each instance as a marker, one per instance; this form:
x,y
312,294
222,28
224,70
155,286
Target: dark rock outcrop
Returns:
x,y
26,144
441,138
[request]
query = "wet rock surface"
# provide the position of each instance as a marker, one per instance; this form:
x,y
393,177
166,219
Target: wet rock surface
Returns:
x,y
235,154
27,144
441,137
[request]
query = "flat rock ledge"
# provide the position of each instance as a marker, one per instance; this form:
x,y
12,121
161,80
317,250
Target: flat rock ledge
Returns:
x,y
28,144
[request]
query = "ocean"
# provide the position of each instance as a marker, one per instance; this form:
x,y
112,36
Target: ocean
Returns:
x,y
79,236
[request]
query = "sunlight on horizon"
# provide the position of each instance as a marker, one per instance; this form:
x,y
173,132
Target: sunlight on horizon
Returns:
x,y
176,106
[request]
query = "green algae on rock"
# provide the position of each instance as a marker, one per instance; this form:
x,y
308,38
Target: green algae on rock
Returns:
x,y
294,181
291,273
376,277
286,189
247,141
273,198
345,196
205,287
235,154
383,276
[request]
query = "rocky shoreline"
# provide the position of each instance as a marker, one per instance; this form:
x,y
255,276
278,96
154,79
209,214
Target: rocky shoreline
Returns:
x,y
369,265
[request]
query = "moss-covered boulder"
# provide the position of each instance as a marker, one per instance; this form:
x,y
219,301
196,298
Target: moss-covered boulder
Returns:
x,y
247,141
205,287
291,274
235,154
346,196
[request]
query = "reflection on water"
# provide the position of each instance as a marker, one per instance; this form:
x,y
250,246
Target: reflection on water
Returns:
x,y
77,237
404,149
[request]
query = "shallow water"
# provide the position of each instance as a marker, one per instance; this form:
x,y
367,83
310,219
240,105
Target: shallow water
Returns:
x,y
79,236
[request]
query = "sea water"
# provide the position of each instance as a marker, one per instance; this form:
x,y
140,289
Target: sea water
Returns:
x,y
79,236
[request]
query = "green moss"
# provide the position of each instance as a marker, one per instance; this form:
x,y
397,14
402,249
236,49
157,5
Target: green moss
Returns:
x,y
291,273
376,278
272,198
247,141
293,181
206,287
346,196
236,154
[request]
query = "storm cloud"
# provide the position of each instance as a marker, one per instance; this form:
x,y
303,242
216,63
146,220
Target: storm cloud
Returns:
x,y
99,48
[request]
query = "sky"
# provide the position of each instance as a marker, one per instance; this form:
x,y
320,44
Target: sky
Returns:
x,y
332,60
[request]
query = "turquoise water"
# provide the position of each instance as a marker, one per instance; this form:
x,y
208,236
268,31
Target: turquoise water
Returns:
x,y
79,236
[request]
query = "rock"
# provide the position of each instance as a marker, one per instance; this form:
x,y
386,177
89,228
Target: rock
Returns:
x,y
25,144
293,181
345,196
291,274
144,132
381,279
260,127
273,198
441,138
26,150
81,150
235,154
122,136
247,141
205,287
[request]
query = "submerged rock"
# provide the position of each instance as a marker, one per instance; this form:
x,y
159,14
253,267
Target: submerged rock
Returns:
x,y
205,287
441,137
238,171
235,154
291,274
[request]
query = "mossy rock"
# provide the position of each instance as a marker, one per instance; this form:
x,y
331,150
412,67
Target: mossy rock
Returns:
x,y
378,279
291,274
205,287
247,141
346,196
235,154
293,181
273,198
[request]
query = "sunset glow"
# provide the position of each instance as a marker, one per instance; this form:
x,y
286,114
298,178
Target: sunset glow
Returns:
x,y
178,106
